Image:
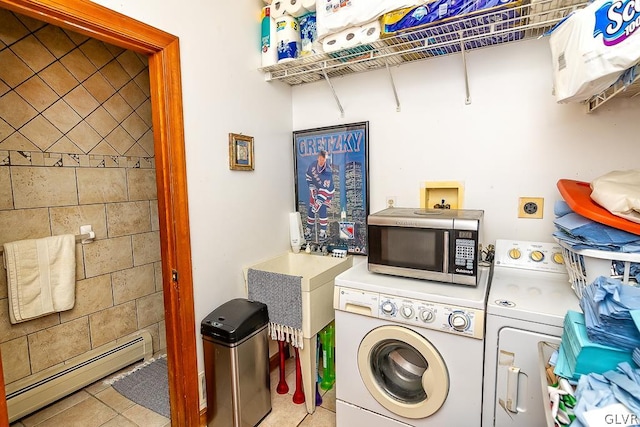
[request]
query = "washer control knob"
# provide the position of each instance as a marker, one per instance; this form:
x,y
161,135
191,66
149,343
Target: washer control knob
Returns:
x,y
514,253
426,315
558,258
459,321
406,311
388,308
536,256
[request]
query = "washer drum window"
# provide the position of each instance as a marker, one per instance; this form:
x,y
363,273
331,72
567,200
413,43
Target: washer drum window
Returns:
x,y
403,371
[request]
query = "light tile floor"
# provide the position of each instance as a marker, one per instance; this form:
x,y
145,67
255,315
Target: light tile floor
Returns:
x,y
99,405
285,413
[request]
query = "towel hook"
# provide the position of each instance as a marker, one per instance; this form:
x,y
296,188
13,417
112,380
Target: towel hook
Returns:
x,y
87,235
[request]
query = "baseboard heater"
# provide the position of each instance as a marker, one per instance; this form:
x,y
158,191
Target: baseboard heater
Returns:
x,y
36,391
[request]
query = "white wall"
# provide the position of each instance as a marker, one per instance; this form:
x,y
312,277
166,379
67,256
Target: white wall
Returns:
x,y
236,218
512,140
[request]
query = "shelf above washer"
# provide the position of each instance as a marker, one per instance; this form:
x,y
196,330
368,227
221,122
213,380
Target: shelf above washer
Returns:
x,y
524,20
527,19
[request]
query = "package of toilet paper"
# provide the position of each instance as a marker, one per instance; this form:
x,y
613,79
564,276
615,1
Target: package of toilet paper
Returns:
x,y
440,11
336,15
593,47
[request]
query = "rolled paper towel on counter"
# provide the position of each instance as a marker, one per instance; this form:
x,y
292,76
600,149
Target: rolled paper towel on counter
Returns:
x,y
268,40
288,37
310,5
277,8
294,8
370,32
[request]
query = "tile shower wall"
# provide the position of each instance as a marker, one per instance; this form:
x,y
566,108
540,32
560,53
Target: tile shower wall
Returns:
x,y
76,148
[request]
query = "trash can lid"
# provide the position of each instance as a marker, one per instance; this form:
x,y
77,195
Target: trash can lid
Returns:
x,y
235,320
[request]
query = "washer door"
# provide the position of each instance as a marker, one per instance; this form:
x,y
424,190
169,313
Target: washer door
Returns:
x,y
403,371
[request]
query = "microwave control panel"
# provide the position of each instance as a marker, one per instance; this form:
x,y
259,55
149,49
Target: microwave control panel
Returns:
x,y
464,256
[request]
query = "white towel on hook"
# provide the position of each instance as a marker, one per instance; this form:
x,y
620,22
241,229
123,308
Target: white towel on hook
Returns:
x,y
41,276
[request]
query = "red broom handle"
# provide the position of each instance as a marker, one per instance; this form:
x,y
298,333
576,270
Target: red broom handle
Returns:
x,y
298,395
282,388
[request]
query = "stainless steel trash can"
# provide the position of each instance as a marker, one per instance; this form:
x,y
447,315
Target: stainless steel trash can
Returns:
x,y
236,359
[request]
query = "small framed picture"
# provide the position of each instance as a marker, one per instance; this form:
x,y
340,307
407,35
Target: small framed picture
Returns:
x,y
240,152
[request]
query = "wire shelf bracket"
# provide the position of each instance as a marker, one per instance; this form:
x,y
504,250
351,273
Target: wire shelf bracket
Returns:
x,y
393,87
335,96
463,54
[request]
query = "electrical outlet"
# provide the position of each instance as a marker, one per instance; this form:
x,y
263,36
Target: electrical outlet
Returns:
x,y
203,390
391,201
530,207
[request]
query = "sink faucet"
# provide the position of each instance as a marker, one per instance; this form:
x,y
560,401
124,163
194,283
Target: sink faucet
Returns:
x,y
316,249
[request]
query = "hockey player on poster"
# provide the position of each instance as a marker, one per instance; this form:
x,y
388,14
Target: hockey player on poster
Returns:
x,y
321,189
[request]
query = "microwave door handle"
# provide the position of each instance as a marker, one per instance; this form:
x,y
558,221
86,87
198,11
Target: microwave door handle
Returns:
x,y
445,258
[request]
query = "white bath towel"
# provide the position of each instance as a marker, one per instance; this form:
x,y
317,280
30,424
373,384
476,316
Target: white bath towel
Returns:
x,y
41,276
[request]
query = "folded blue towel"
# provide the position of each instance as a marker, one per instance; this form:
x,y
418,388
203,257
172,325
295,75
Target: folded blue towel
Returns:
x,y
594,391
608,305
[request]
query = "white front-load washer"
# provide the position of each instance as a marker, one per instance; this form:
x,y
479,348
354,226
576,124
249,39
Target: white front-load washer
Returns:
x,y
409,352
529,297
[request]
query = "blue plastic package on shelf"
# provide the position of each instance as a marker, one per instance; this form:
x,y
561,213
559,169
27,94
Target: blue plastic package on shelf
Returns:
x,y
440,25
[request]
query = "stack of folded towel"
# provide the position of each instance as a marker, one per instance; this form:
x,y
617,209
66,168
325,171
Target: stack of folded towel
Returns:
x,y
40,276
584,233
609,307
579,355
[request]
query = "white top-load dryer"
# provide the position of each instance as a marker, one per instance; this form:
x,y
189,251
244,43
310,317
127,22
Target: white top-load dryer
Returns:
x,y
529,297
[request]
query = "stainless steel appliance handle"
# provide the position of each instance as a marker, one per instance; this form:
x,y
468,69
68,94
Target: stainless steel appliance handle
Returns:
x,y
445,258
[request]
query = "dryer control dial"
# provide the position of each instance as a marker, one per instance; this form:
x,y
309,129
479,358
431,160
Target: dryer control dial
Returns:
x,y
388,308
537,256
459,321
426,315
558,258
406,311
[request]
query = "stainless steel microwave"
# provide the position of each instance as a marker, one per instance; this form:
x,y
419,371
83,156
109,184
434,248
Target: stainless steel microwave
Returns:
x,y
430,244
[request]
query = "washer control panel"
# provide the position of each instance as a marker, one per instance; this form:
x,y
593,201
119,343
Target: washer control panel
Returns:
x,y
537,256
424,314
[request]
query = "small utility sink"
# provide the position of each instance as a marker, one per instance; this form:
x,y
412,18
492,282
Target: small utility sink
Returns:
x,y
315,270
318,274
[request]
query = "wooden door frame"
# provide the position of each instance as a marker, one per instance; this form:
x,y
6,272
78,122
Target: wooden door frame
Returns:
x,y
91,19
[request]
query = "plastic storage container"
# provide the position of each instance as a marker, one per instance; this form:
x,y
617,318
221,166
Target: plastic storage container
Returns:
x,y
236,357
584,266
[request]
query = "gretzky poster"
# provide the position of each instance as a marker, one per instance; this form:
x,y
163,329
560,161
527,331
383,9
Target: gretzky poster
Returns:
x,y
332,191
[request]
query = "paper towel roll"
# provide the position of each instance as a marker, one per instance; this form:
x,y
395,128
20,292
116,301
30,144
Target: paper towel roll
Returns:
x,y
294,8
370,32
350,37
310,5
268,42
277,8
332,43
288,37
